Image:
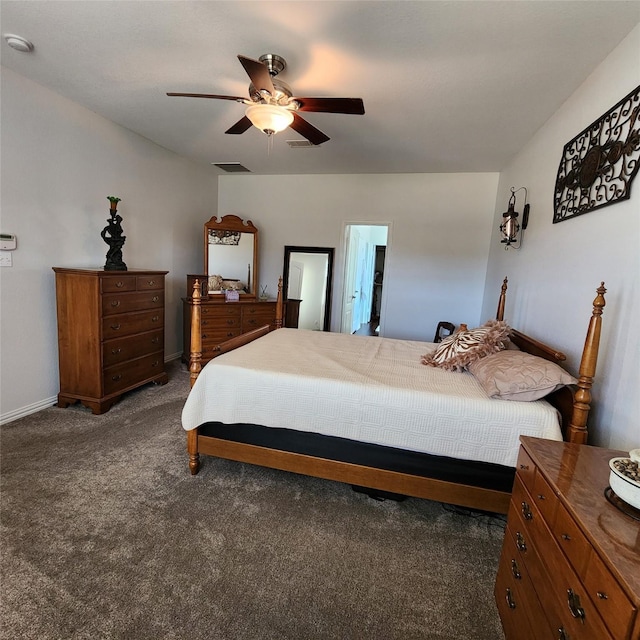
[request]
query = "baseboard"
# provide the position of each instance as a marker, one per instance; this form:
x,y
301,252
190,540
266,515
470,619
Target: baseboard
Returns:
x,y
16,414
28,410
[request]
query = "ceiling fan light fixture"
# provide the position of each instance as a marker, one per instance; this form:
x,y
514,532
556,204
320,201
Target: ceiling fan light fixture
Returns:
x,y
269,118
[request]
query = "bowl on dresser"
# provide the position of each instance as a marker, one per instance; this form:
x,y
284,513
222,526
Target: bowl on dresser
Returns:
x,y
625,480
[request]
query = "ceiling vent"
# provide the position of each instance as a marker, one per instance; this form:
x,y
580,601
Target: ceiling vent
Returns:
x,y
231,167
300,144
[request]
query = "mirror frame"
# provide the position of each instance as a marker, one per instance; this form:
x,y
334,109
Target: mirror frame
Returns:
x,y
329,251
233,223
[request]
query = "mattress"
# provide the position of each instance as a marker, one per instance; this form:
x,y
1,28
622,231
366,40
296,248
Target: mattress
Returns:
x,y
367,389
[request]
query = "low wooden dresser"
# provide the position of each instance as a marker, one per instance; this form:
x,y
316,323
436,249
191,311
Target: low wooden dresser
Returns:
x,y
110,334
224,320
570,563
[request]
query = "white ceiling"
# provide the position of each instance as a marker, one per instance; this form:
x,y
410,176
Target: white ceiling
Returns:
x,y
447,86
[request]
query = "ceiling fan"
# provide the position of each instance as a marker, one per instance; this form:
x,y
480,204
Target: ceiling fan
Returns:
x,y
272,107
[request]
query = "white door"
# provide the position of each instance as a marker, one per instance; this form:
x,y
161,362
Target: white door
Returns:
x,y
349,291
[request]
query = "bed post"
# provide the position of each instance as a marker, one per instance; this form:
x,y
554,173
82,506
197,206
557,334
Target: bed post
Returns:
x,y
577,431
279,305
502,299
195,348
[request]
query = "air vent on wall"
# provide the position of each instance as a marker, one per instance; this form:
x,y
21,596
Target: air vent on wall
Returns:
x,y
300,144
231,167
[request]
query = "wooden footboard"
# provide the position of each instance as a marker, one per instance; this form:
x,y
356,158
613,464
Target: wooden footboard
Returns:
x,y
195,357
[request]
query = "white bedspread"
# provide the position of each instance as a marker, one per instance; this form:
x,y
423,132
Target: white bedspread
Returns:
x,y
368,389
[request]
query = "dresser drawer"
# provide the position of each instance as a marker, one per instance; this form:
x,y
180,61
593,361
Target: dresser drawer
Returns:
x,y
526,469
212,337
571,540
132,372
150,282
544,498
218,324
122,303
118,283
122,349
609,599
522,614
221,311
124,325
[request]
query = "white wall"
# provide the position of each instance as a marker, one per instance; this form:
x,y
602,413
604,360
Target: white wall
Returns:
x,y
436,256
553,278
59,164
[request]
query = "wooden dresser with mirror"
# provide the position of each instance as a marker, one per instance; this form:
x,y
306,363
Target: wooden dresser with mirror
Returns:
x,y
230,264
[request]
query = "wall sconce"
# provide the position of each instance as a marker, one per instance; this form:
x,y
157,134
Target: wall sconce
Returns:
x,y
510,228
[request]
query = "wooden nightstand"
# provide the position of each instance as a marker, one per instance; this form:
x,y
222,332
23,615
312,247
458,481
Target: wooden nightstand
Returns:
x,y
570,563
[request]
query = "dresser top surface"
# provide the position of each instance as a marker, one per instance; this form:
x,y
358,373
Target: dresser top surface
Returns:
x,y
104,272
579,474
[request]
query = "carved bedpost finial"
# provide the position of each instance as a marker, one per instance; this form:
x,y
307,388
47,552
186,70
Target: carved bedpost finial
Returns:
x,y
195,348
582,401
279,305
502,299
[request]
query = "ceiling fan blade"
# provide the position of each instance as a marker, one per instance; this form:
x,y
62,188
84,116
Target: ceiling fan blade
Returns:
x,y
207,95
332,105
240,127
259,74
308,131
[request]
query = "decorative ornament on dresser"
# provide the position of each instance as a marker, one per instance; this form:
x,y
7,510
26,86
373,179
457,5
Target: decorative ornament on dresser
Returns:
x,y
600,163
112,235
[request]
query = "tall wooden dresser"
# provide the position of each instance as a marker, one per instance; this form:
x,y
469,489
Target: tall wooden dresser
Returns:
x,y
224,320
110,334
570,563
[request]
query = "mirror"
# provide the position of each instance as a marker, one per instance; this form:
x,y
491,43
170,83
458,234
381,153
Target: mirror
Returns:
x,y
306,286
231,256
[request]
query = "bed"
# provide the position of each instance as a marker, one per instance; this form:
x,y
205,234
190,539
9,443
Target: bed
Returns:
x,y
366,411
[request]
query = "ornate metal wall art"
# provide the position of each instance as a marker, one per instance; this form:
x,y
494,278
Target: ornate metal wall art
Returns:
x,y
600,163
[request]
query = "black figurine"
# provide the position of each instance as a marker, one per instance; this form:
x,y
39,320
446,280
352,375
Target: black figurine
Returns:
x,y
112,235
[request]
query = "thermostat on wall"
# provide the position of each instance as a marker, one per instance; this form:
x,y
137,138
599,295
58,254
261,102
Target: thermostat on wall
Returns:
x,y
8,242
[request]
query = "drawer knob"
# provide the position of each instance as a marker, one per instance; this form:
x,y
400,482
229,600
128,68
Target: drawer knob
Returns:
x,y
524,467
526,511
115,327
601,595
509,599
520,542
155,340
115,303
573,602
116,378
562,634
155,363
119,284
566,536
514,570
151,282
116,351
155,318
541,496
229,322
155,299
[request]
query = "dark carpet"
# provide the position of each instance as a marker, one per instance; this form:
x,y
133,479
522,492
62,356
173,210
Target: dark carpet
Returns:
x,y
105,534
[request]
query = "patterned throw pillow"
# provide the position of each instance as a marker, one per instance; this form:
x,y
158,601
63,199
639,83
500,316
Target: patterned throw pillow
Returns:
x,y
457,352
516,375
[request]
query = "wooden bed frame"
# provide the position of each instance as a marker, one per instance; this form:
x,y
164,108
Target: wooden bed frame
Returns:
x,y
574,408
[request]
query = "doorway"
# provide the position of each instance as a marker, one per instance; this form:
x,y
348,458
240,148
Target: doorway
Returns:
x,y
362,294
